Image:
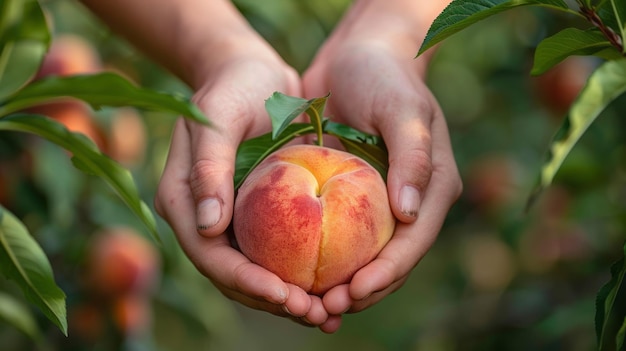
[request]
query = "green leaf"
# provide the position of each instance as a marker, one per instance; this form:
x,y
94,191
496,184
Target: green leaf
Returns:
x,y
572,41
251,152
611,15
619,13
87,158
604,85
460,14
103,89
23,260
16,314
369,147
24,40
611,308
283,109
621,336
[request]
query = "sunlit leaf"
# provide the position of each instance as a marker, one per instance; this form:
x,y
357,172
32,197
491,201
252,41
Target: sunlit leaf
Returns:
x,y
460,14
23,260
251,152
24,40
103,89
611,308
19,316
568,42
604,85
87,158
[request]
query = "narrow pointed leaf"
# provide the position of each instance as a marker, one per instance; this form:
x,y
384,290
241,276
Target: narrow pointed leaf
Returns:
x,y
18,315
572,41
619,12
460,14
24,40
604,85
87,158
621,336
251,152
103,89
611,308
23,260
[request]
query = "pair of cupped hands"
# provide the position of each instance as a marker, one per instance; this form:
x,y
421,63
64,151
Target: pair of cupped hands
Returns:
x,y
376,86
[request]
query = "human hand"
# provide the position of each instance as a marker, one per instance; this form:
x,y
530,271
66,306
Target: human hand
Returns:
x,y
195,195
378,87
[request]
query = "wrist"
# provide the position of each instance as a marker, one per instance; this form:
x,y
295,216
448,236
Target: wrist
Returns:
x,y
209,59
400,25
206,43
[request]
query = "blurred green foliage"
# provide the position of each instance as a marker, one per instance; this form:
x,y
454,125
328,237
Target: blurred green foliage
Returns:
x,y
498,278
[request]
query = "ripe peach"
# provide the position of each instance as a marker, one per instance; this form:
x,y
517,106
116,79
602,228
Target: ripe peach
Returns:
x,y
76,116
120,261
70,54
86,320
313,216
131,314
492,183
559,87
127,137
6,190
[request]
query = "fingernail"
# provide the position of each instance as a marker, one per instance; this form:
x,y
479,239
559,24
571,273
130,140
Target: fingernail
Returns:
x,y
409,200
280,298
209,213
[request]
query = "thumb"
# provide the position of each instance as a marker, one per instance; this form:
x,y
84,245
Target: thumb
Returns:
x,y
211,178
408,141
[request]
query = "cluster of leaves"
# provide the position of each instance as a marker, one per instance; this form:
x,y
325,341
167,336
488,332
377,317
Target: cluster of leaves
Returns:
x,y
24,41
283,110
605,38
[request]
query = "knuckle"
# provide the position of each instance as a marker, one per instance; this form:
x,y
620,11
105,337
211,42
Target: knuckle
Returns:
x,y
418,162
201,173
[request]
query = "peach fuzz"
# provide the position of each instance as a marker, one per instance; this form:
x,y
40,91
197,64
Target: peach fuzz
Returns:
x,y
313,216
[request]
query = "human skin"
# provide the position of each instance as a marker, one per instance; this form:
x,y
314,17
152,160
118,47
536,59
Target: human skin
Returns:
x,y
374,46
313,215
209,46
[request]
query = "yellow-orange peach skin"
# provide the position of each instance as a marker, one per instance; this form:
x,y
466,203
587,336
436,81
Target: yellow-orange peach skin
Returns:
x,y
313,216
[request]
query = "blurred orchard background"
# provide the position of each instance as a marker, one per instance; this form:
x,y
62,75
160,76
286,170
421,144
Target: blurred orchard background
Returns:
x,y
498,278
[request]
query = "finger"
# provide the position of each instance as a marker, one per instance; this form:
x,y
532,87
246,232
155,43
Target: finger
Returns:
x,y
236,106
337,300
316,315
211,177
214,257
331,325
407,134
174,180
411,241
298,303
375,297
